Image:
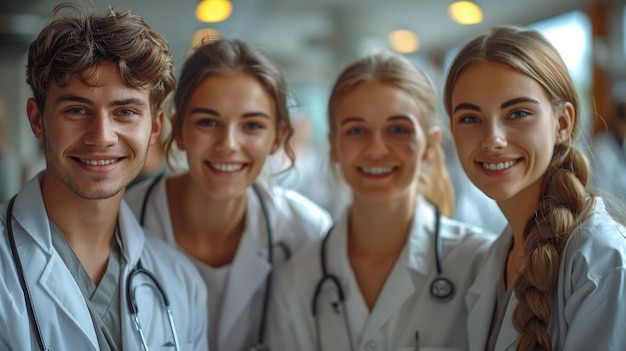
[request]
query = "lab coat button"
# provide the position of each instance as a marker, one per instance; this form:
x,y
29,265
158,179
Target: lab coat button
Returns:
x,y
370,345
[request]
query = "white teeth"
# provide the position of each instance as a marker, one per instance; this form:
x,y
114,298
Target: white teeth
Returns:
x,y
376,170
498,166
227,167
97,162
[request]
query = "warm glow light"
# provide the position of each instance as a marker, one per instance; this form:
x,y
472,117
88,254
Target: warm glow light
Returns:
x,y
404,41
465,12
213,10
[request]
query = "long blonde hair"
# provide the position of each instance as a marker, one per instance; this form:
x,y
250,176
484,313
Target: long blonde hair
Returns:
x,y
389,68
565,200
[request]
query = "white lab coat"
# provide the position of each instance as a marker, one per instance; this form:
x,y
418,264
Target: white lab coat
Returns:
x,y
403,307
59,304
588,307
294,220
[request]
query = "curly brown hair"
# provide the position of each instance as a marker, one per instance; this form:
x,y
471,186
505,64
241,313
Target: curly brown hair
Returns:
x,y
75,43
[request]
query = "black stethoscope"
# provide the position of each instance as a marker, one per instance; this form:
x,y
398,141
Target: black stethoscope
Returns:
x,y
130,292
441,287
260,345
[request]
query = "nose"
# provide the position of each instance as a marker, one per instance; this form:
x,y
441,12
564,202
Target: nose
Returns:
x,y
376,145
102,131
227,139
494,137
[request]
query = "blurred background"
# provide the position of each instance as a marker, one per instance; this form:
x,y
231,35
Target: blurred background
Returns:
x,y
313,41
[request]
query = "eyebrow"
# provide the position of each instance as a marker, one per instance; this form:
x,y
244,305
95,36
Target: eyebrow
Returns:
x,y
210,111
468,106
390,118
74,98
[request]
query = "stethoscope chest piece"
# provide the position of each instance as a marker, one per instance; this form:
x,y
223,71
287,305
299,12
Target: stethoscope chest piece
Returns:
x,y
442,288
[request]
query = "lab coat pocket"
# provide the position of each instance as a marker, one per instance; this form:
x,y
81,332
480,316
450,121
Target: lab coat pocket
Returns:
x,y
425,348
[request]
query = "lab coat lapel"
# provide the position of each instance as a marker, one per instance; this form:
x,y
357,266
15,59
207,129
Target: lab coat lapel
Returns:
x,y
333,326
55,279
415,258
133,239
248,275
480,299
507,337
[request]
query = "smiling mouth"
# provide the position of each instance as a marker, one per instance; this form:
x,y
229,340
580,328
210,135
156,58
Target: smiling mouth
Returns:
x,y
376,170
227,167
498,166
98,162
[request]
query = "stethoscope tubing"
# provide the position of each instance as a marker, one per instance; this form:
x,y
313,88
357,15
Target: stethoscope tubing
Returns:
x,y
22,277
134,309
446,291
270,254
132,303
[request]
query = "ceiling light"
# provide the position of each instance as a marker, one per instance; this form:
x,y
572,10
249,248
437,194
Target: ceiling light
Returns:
x,y
404,41
465,12
213,10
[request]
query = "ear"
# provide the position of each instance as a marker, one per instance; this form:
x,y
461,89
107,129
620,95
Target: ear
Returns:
x,y
35,118
281,134
156,127
177,133
566,117
434,138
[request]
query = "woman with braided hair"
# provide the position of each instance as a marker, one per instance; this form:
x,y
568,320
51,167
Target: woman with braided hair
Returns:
x,y
556,277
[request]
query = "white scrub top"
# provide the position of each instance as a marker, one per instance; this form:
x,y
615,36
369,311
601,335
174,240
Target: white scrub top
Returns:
x,y
405,305
59,304
588,306
295,221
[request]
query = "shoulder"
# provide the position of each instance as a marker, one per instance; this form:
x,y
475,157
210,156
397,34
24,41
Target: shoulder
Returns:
x,y
458,233
294,214
169,261
291,203
303,266
135,196
597,246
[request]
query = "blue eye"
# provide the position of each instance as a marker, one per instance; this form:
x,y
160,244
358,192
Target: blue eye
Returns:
x,y
469,119
355,131
77,110
399,129
519,114
254,126
206,122
127,112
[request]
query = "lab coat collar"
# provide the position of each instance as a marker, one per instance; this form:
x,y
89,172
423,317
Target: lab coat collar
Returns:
x,y
249,269
480,299
131,234
416,256
55,279
30,213
421,238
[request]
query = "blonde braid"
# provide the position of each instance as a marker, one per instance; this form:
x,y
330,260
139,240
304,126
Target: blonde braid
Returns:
x,y
564,206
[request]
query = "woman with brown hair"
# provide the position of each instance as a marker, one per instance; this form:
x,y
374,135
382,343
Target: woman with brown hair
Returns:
x,y
556,277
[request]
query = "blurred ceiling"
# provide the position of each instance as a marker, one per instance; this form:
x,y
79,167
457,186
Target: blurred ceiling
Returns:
x,y
311,39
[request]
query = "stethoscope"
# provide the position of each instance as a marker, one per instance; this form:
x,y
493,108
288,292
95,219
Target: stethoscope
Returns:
x,y
441,288
260,345
130,292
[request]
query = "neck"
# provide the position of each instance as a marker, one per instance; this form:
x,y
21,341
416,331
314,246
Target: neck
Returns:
x,y
380,227
518,212
88,225
208,229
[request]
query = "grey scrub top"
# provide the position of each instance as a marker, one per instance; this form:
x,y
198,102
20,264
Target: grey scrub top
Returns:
x,y
103,301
